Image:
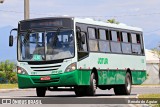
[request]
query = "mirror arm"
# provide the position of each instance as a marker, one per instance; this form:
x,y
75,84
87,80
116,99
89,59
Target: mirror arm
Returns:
x,y
15,29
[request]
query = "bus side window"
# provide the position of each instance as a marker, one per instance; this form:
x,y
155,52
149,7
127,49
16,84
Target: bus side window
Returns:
x,y
142,44
115,42
93,43
136,46
138,38
126,45
103,40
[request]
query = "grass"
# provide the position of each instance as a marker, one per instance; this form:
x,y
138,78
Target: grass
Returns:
x,y
148,85
150,96
8,86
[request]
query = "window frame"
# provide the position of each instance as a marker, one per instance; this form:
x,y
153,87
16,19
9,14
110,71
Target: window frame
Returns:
x,y
108,30
107,40
118,41
140,43
128,39
96,38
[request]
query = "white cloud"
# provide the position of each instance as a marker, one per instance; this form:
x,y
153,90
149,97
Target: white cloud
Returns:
x,y
135,9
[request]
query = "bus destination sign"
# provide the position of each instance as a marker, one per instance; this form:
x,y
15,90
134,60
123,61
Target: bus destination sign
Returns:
x,y
46,23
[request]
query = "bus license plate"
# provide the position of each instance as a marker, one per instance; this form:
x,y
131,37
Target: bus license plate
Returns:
x,y
45,78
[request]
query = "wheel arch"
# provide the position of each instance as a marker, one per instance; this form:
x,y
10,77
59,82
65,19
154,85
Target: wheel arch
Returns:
x,y
94,70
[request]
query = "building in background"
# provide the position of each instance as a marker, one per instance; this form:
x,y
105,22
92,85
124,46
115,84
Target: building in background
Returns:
x,y
152,62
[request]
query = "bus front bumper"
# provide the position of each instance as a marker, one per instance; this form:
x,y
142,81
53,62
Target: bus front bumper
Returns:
x,y
68,79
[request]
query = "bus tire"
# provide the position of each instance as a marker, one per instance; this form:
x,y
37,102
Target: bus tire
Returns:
x,y
126,88
41,91
91,89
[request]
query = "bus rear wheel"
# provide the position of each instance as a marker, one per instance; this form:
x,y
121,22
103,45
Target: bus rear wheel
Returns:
x,y
126,88
41,91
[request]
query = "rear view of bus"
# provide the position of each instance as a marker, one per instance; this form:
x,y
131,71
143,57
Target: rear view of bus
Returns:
x,y
59,52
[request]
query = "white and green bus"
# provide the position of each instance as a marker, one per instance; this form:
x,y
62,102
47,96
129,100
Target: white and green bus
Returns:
x,y
81,54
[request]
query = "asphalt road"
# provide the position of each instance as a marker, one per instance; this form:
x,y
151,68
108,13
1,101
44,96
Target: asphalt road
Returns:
x,y
27,93
63,95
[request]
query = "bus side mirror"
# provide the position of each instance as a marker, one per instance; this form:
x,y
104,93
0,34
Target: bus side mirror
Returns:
x,y
83,36
10,40
11,37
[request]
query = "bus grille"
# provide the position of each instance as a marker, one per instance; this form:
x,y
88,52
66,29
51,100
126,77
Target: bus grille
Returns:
x,y
45,68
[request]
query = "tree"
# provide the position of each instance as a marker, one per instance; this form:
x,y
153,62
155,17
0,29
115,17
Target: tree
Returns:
x,y
156,51
112,21
7,67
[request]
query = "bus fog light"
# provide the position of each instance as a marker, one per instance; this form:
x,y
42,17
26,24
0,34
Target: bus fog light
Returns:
x,y
71,67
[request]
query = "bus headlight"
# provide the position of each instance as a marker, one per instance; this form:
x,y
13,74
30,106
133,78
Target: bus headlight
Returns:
x,y
21,71
71,67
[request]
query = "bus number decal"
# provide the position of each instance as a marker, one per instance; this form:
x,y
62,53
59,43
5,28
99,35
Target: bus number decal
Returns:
x,y
102,60
37,57
56,72
33,73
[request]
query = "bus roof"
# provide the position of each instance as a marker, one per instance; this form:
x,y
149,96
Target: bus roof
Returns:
x,y
93,22
101,23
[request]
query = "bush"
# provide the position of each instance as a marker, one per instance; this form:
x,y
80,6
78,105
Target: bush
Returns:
x,y
8,75
3,81
13,78
3,78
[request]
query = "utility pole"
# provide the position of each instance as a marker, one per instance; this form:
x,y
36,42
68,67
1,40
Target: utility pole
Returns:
x,y
159,61
26,9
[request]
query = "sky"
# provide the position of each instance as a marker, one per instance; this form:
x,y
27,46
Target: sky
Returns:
x,y
139,13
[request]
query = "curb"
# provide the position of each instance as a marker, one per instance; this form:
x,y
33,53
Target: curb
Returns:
x,y
33,89
15,89
146,86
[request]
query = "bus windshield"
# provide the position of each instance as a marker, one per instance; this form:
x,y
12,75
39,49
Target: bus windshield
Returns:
x,y
48,45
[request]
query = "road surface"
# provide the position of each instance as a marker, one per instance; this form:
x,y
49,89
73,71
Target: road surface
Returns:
x,y
61,95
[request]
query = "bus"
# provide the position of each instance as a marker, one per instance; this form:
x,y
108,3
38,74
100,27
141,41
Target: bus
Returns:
x,y
81,55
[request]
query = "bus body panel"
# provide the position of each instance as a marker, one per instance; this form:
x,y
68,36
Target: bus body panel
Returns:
x,y
117,77
112,68
80,78
138,77
69,79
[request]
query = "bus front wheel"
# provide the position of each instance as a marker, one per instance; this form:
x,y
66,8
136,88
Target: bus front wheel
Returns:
x,y
91,89
126,88
41,91
87,90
